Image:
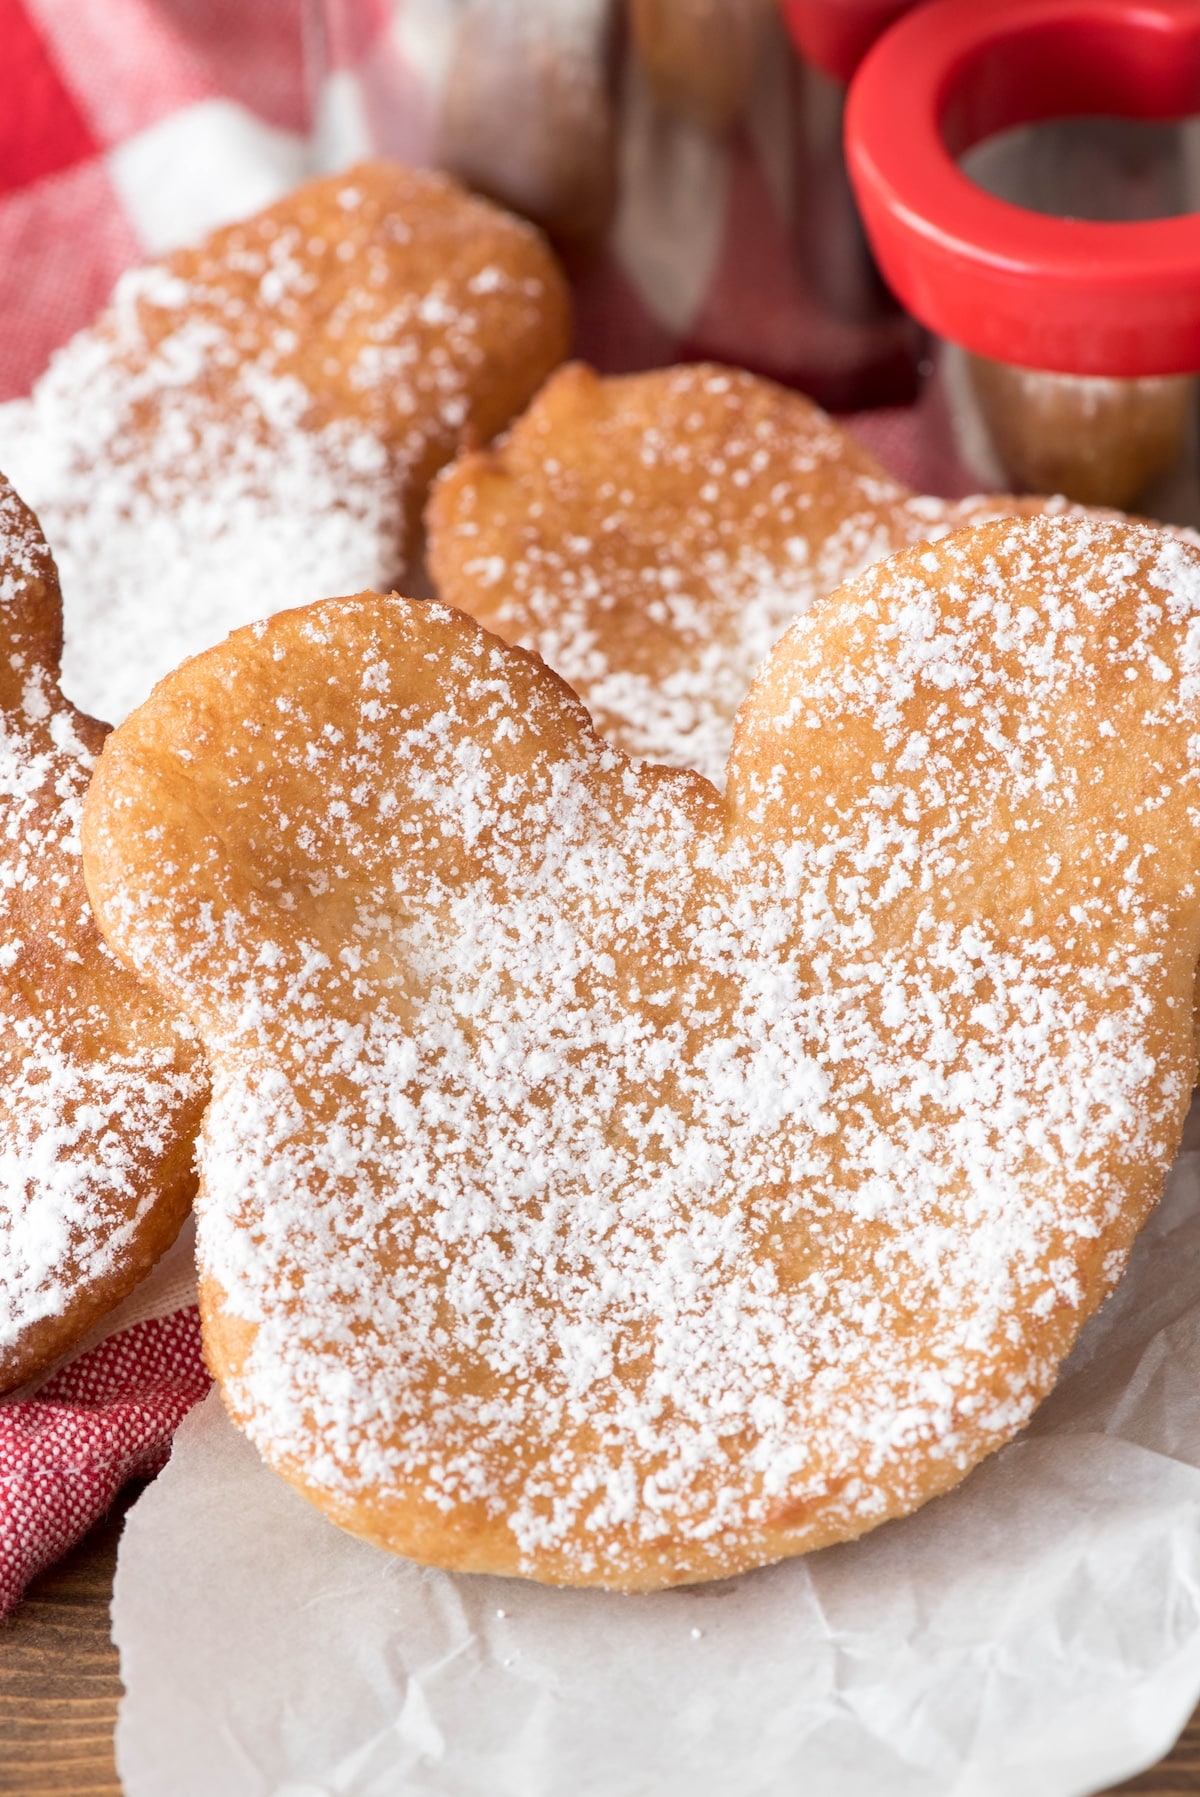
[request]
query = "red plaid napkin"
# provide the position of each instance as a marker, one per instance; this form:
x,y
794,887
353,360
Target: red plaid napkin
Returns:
x,y
129,127
107,1417
112,119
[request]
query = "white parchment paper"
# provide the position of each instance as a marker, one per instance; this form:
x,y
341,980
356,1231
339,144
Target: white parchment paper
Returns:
x,y
1037,1631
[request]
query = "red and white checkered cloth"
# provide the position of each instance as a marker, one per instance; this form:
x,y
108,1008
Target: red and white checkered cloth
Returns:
x,y
118,120
123,129
130,127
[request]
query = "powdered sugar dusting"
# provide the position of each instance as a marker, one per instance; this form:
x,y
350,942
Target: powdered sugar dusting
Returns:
x,y
161,555
252,424
653,540
74,1141
81,1130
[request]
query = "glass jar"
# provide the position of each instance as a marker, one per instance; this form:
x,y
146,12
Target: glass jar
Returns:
x,y
1026,178
683,157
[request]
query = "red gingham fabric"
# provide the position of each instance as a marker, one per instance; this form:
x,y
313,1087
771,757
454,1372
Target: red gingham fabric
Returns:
x,y
77,84
129,125
107,1417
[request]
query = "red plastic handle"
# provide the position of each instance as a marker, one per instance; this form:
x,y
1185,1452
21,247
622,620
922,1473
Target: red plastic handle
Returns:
x,y
1051,293
836,34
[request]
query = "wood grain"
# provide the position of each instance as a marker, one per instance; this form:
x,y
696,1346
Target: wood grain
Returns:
x,y
1178,1773
60,1686
59,1682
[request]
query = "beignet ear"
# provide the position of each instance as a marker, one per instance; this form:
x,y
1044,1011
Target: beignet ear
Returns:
x,y
254,420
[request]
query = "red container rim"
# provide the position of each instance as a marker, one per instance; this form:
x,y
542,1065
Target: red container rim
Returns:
x,y
836,34
1064,295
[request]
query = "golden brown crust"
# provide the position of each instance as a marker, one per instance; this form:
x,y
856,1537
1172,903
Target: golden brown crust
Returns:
x,y
254,421
638,475
101,1091
408,236
652,536
613,1184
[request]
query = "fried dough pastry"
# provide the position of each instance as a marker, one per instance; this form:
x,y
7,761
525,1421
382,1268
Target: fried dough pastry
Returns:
x,y
256,420
614,1183
652,536
101,1090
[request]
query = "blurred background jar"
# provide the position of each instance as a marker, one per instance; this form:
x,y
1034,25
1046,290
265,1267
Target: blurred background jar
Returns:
x,y
1029,179
1025,168
683,156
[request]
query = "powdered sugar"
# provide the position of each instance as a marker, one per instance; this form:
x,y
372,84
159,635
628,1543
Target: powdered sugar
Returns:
x,y
74,1141
683,714
652,539
251,425
81,1131
233,509
663,1185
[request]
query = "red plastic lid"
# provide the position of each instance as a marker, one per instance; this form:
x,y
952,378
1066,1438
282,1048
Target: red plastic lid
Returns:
x,y
1043,292
836,34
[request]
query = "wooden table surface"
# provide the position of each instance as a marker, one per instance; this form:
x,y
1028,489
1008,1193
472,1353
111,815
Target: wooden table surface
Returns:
x,y
59,1686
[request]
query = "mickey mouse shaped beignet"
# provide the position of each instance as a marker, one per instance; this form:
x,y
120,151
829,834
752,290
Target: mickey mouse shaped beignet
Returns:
x,y
101,1089
612,1183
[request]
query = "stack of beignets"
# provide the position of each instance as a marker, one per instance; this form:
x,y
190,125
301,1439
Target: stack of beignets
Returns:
x,y
652,536
101,1089
616,1184
254,421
